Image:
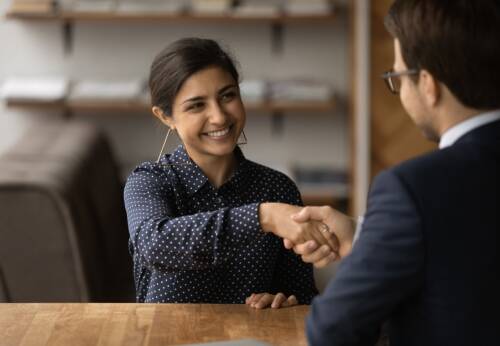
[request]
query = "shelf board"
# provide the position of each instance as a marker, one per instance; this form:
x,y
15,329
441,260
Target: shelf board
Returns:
x,y
35,104
170,18
319,199
142,107
291,106
109,106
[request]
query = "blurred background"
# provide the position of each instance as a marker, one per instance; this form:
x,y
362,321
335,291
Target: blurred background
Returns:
x,y
75,120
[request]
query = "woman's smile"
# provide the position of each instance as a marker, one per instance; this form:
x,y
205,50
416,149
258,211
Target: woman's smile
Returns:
x,y
219,134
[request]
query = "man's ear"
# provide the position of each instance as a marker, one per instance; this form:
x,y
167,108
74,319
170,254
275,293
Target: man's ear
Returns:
x,y
164,118
430,88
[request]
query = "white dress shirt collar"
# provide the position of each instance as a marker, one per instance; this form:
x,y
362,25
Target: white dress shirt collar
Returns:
x,y
454,133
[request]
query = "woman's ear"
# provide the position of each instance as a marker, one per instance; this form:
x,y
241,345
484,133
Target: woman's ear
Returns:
x,y
164,118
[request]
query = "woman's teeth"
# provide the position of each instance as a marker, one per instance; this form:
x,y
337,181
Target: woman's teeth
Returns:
x,y
219,133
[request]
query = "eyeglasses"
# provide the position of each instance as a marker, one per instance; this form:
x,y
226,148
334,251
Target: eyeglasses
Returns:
x,y
393,81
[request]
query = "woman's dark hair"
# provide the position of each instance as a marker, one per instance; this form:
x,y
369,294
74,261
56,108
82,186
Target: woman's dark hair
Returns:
x,y
181,59
457,41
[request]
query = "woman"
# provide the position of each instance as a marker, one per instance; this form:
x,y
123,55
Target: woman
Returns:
x,y
201,219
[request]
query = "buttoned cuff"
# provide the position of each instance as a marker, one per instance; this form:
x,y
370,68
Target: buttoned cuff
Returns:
x,y
244,223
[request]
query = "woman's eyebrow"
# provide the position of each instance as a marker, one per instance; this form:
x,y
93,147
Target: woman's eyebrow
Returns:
x,y
227,87
192,99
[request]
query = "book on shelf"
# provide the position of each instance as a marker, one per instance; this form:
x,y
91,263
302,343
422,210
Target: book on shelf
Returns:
x,y
107,91
65,5
321,180
43,90
92,6
210,7
300,90
257,8
253,91
33,6
308,7
151,7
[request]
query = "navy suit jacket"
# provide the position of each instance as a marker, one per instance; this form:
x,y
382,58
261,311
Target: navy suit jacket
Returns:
x,y
427,259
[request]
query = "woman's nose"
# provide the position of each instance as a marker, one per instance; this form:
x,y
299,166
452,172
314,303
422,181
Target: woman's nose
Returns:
x,y
217,114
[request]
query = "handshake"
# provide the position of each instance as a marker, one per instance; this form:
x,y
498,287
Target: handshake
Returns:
x,y
320,235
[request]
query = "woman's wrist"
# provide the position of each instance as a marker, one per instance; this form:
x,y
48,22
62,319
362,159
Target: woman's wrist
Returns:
x,y
266,216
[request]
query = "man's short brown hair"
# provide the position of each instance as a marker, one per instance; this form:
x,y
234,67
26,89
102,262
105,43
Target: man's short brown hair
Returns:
x,y
457,41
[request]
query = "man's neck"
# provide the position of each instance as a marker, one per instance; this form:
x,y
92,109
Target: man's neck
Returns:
x,y
452,116
465,126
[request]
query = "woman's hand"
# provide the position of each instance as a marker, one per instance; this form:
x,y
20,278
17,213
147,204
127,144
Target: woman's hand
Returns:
x,y
340,224
265,300
277,218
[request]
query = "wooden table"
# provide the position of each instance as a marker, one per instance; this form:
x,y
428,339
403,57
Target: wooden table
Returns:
x,y
147,324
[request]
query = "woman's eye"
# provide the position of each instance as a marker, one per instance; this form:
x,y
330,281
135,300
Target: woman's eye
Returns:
x,y
228,96
195,106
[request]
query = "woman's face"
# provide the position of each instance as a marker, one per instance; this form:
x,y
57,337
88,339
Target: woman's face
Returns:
x,y
208,114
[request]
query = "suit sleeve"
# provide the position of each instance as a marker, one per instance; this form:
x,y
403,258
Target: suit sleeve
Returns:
x,y
384,268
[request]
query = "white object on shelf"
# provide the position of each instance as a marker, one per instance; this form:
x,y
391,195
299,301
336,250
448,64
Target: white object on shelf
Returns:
x,y
308,7
300,90
66,5
47,89
107,91
151,7
210,7
322,181
257,9
93,6
253,90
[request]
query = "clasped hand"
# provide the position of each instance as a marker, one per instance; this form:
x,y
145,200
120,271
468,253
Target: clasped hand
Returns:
x,y
319,235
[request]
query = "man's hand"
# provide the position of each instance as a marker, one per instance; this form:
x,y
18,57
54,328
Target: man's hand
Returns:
x,y
341,225
264,300
311,252
277,218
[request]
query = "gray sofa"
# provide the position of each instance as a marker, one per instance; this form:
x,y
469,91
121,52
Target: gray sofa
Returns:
x,y
63,232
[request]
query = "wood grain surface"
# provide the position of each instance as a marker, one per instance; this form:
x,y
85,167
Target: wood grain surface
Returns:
x,y
147,324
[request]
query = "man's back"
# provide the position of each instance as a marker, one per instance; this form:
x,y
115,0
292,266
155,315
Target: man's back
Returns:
x,y
427,258
457,190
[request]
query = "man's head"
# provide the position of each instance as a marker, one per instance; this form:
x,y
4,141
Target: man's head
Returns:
x,y
454,47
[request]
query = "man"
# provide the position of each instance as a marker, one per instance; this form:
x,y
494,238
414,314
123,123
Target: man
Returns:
x,y
426,259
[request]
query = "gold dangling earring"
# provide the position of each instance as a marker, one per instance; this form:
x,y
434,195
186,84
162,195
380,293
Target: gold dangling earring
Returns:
x,y
245,141
163,146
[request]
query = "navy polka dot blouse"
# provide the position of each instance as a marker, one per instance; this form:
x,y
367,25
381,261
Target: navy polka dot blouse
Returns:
x,y
193,243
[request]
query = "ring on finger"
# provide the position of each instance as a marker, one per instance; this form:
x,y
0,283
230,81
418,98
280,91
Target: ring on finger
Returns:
x,y
324,228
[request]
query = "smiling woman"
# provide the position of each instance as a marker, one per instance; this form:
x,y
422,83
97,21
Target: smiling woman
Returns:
x,y
208,115
203,219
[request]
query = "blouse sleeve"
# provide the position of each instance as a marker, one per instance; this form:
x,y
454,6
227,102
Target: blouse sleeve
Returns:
x,y
293,276
161,240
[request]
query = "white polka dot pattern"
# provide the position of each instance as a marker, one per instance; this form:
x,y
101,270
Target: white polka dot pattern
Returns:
x,y
192,243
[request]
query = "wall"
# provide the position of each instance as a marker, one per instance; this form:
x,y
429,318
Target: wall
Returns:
x,y
121,51
125,50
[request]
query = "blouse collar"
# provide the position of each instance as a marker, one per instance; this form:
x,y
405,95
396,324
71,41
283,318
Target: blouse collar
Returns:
x,y
191,175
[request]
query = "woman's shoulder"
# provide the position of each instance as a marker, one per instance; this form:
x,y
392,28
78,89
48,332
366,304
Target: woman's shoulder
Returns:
x,y
151,171
151,167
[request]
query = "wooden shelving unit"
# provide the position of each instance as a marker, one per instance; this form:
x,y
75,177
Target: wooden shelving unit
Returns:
x,y
275,109
143,107
170,18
